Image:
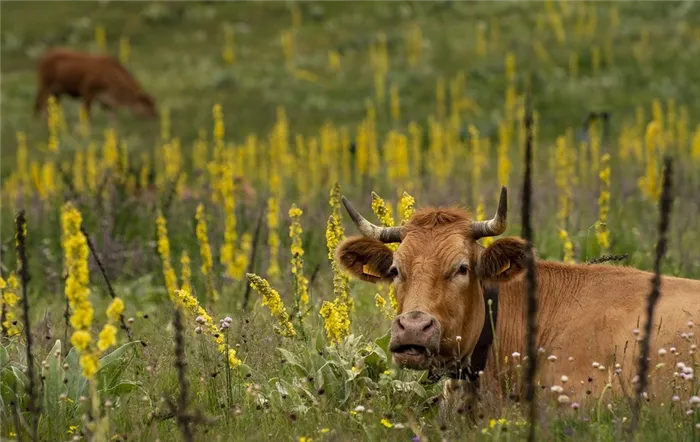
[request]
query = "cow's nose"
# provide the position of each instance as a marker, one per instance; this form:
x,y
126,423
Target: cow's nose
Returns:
x,y
420,323
415,329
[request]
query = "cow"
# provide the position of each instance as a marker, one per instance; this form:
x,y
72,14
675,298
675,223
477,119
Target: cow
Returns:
x,y
451,290
92,77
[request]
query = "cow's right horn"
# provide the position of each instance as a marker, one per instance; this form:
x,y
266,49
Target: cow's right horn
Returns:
x,y
383,234
496,225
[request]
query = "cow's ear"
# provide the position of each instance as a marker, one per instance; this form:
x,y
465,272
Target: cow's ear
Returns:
x,y
502,260
365,258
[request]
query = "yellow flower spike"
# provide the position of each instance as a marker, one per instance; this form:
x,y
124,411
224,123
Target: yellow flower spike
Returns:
x,y
54,122
301,290
185,300
406,206
115,309
273,301
602,232
107,337
568,246
80,339
185,271
8,300
89,363
164,252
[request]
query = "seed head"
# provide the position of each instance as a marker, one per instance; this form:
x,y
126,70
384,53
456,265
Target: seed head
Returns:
x,y
200,320
130,321
515,355
662,352
635,332
564,379
359,409
690,324
563,399
198,330
596,365
694,400
556,389
551,358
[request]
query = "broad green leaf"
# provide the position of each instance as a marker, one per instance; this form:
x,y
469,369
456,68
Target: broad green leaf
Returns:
x,y
53,376
123,388
293,361
112,366
4,356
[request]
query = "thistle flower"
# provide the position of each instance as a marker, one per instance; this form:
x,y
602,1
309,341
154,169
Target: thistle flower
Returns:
x,y
274,302
300,282
164,252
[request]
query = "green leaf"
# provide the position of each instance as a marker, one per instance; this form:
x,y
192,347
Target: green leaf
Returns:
x,y
77,385
112,367
293,361
123,388
4,356
53,381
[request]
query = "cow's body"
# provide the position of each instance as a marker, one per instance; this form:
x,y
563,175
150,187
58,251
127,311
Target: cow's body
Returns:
x,y
91,77
587,313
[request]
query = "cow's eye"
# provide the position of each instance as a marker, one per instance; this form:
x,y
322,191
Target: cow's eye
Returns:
x,y
463,269
393,272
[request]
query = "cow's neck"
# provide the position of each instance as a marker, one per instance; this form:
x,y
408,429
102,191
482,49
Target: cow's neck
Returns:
x,y
558,286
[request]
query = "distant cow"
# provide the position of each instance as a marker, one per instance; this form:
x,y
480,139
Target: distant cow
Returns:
x,y
444,280
91,77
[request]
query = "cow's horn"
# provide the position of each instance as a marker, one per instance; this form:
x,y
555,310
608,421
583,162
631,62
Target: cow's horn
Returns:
x,y
383,234
497,225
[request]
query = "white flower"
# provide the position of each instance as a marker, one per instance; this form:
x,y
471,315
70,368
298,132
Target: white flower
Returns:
x,y
680,366
672,350
694,400
458,338
564,379
571,359
596,365
359,409
601,368
563,399
690,324
635,332
540,350
515,355
399,426
198,330
676,398
551,358
662,352
199,320
228,319
556,389
688,370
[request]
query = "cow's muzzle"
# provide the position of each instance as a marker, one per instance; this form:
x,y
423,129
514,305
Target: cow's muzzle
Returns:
x,y
415,340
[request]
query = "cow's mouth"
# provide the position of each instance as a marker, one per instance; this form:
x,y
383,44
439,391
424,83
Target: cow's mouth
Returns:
x,y
416,357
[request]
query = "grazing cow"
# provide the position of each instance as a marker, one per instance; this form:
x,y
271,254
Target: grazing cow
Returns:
x,y
90,77
444,278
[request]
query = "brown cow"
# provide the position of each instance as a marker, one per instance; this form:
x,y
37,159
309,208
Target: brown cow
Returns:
x,y
587,313
90,77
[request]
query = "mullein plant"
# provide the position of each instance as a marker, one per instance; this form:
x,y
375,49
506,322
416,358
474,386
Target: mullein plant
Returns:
x,y
272,299
9,297
205,253
602,231
164,252
383,212
336,314
301,283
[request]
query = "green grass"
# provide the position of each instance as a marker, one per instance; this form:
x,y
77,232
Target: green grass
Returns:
x,y
176,55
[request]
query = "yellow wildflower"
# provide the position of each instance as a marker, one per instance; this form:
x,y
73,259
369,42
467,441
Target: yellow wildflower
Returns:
x,y
336,320
568,246
89,363
164,252
274,302
80,339
386,423
189,302
115,309
300,282
9,300
107,337
407,206
185,273
602,232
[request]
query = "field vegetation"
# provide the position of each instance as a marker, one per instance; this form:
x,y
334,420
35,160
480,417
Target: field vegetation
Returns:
x,y
228,207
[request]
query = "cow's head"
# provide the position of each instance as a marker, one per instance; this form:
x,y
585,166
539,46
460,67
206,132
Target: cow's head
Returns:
x,y
438,272
145,106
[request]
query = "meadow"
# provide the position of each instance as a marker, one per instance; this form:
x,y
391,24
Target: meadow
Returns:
x,y
228,205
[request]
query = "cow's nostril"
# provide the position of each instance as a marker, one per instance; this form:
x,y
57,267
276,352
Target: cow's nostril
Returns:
x,y
398,322
429,325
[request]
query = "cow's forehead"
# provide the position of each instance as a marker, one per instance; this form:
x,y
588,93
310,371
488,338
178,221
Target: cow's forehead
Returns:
x,y
436,244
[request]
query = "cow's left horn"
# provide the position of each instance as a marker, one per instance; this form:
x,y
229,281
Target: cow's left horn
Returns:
x,y
383,234
497,225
